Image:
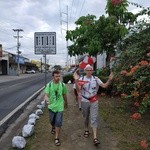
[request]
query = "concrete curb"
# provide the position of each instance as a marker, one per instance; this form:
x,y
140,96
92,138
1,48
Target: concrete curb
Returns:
x,y
5,122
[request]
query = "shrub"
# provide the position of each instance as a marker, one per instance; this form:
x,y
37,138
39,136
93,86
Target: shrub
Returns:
x,y
68,77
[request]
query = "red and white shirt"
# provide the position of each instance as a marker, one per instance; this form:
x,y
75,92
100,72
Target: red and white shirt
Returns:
x,y
90,89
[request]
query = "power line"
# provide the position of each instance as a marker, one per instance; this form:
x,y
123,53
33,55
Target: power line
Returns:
x,y
10,48
71,11
82,7
77,9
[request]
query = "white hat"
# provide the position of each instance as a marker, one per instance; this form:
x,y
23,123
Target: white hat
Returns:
x,y
88,66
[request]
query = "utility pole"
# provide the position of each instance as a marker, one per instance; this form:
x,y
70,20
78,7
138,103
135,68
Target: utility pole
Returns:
x,y
65,21
18,46
45,69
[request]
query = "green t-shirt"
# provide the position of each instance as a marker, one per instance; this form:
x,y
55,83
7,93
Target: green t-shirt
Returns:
x,y
56,105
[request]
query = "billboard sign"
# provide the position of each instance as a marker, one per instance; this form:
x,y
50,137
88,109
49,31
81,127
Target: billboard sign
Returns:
x,y
45,42
21,60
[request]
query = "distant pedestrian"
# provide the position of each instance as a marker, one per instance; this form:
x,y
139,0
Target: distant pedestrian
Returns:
x,y
89,101
56,98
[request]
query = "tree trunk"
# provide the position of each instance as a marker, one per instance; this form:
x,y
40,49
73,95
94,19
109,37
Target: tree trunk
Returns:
x,y
108,59
95,64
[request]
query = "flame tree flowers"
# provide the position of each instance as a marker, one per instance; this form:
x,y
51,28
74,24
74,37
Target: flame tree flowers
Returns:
x,y
133,71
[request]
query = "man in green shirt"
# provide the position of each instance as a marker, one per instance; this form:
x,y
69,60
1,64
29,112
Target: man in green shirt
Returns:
x,y
56,98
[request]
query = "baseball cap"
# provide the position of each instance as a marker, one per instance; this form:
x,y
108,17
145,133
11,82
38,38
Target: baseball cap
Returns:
x,y
88,66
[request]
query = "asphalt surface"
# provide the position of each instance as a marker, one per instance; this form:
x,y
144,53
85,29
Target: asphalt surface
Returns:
x,y
16,92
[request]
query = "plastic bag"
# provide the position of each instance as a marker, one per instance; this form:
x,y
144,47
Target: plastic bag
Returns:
x,y
18,142
32,121
27,130
40,106
34,116
39,112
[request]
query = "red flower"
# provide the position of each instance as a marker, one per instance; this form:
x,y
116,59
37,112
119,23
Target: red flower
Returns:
x,y
148,54
136,104
116,2
143,63
136,116
144,144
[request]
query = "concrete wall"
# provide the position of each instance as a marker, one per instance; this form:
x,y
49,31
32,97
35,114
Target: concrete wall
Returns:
x,y
101,60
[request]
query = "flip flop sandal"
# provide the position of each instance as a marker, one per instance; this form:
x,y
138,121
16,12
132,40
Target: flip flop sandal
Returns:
x,y
53,131
86,134
96,142
57,142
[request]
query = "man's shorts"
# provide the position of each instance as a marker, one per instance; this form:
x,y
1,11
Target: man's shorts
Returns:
x,y
56,118
90,111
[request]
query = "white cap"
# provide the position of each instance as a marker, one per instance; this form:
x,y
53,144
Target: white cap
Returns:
x,y
88,66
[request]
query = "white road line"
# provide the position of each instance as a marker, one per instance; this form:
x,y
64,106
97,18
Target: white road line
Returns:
x,y
19,107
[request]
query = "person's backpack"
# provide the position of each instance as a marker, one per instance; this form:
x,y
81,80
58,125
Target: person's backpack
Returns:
x,y
51,82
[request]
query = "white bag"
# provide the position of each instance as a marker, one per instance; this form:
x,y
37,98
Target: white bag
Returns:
x,y
43,103
27,130
32,121
40,106
34,116
18,142
39,112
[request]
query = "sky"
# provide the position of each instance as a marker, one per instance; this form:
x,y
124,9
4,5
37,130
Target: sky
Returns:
x,y
46,16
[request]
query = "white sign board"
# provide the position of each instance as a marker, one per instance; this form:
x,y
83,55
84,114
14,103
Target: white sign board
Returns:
x,y
45,42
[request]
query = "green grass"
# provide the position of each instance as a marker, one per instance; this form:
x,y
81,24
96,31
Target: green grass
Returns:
x,y
129,132
113,111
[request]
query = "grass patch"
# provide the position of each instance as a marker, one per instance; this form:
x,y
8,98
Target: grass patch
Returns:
x,y
114,112
129,132
42,137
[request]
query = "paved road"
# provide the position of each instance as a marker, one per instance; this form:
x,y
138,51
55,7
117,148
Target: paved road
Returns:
x,y
15,92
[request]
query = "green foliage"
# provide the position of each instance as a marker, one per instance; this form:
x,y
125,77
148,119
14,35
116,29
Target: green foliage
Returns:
x,y
120,33
144,105
96,36
132,69
103,75
68,77
116,10
82,37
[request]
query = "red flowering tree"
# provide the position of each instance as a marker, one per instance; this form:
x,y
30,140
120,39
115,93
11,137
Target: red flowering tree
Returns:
x,y
132,67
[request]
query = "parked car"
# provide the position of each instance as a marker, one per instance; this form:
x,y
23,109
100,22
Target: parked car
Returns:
x,y
30,71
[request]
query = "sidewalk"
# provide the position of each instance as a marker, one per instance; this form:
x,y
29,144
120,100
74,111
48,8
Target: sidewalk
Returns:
x,y
72,131
71,134
74,125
